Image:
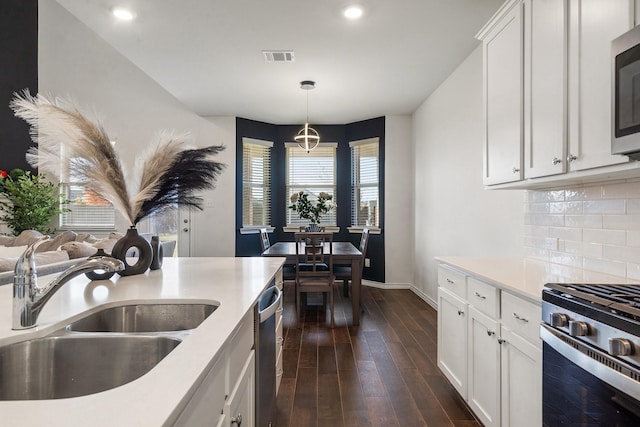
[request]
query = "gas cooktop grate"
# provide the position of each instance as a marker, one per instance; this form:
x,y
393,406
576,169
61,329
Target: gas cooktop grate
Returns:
x,y
620,299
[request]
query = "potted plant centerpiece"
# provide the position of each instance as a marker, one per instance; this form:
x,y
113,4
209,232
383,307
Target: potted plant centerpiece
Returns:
x,y
307,209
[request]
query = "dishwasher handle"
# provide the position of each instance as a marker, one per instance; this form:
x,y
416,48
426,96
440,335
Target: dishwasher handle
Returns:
x,y
270,310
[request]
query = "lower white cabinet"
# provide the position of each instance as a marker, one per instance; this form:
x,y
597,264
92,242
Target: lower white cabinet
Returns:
x,y
521,381
240,406
484,367
490,351
452,339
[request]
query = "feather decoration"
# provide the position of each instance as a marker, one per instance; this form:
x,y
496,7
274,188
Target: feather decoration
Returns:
x,y
170,176
192,171
65,136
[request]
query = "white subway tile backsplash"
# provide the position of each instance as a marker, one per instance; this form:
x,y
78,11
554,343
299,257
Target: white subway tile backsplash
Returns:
x,y
614,268
609,237
604,207
595,227
621,222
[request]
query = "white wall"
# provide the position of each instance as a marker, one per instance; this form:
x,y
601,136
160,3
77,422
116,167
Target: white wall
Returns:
x,y
398,213
75,62
454,215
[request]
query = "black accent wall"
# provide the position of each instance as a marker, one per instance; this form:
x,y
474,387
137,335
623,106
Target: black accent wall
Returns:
x,y
18,71
249,244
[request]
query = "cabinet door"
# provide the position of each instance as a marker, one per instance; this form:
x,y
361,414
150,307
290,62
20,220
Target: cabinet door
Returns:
x,y
521,378
452,339
545,76
484,368
239,409
593,24
503,92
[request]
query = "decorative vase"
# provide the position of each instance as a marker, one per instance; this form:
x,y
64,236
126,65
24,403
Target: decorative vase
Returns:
x,y
92,275
313,228
145,254
158,255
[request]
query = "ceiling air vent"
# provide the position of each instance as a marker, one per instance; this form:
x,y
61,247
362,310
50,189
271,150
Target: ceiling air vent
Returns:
x,y
278,55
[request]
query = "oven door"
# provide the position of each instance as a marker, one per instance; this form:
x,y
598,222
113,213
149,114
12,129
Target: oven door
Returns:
x,y
583,386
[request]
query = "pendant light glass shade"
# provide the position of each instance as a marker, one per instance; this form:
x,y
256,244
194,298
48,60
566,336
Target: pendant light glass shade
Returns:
x,y
307,138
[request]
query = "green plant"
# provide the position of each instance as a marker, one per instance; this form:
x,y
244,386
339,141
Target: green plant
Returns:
x,y
307,209
29,201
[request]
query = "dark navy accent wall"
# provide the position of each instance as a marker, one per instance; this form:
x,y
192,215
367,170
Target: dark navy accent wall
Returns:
x,y
249,244
18,71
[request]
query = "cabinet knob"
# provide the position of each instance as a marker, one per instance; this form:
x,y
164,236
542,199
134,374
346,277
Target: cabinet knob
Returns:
x,y
450,281
571,158
490,332
501,341
620,347
556,161
185,230
460,312
237,420
515,170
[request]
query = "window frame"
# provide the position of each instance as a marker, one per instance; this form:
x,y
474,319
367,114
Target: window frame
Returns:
x,y
266,185
356,184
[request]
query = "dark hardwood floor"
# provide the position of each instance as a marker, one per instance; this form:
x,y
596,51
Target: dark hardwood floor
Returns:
x,y
381,373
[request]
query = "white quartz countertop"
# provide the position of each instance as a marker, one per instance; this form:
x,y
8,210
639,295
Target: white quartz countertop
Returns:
x,y
525,277
155,399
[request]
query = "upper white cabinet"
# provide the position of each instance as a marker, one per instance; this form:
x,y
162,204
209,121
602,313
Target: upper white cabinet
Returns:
x,y
503,82
593,25
547,87
545,97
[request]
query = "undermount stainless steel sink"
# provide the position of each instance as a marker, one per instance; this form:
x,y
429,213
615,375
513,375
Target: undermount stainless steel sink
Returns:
x,y
145,318
58,367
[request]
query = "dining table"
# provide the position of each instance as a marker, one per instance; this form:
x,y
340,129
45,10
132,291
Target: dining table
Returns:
x,y
344,253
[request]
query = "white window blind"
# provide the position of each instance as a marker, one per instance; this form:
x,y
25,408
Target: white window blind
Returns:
x,y
256,182
365,195
313,173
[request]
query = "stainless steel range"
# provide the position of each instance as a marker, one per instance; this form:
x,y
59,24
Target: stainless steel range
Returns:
x,y
591,354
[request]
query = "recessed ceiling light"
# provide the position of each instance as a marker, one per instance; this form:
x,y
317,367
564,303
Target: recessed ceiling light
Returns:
x,y
123,14
354,11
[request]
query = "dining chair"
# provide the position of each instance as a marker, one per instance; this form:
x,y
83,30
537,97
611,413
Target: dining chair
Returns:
x,y
314,267
264,239
345,273
288,271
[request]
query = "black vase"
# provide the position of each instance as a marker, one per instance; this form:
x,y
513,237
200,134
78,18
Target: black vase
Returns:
x,y
145,254
158,255
92,275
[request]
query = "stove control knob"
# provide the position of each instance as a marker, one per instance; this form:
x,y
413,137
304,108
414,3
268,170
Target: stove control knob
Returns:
x,y
620,347
578,329
559,320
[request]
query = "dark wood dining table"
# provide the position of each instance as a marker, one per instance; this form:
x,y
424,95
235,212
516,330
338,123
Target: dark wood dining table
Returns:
x,y
344,253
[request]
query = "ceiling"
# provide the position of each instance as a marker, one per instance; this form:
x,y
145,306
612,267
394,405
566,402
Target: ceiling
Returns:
x,y
208,53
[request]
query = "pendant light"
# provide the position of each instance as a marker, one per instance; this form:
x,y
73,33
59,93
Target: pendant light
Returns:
x,y
307,138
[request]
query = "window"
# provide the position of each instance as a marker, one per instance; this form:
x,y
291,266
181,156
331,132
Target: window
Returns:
x,y
256,182
365,195
312,173
88,210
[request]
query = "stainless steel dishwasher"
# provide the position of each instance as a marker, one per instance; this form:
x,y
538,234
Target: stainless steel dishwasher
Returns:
x,y
265,346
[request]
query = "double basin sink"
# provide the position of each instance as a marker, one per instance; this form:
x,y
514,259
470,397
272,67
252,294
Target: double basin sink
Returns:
x,y
101,351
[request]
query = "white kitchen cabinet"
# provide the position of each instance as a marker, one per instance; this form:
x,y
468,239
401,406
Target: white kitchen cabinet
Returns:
x,y
592,26
240,406
545,97
484,367
452,339
503,95
521,380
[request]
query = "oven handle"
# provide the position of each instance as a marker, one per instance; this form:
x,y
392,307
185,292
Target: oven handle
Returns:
x,y
593,361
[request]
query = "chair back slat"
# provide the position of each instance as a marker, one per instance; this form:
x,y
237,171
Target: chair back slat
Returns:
x,y
314,255
264,239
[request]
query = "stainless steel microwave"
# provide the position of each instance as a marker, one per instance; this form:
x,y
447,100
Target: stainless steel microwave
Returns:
x,y
625,94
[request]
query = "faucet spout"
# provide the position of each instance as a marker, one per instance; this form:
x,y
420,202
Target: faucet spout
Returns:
x,y
28,298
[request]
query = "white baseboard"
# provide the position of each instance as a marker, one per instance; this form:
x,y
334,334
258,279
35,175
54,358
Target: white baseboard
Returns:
x,y
415,290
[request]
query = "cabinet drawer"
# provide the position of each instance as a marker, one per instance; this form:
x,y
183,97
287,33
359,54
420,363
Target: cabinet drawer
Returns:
x,y
484,297
452,280
522,317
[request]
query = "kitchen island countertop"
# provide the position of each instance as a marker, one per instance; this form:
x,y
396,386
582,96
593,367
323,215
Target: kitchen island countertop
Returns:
x,y
156,398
